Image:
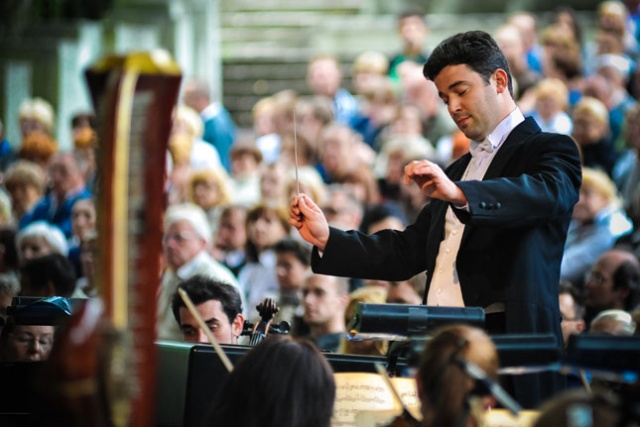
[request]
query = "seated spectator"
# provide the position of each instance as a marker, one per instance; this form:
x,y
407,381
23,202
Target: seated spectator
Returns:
x,y
342,152
26,343
38,239
219,305
265,227
597,222
324,78
209,189
231,238
325,299
370,295
25,182
83,223
368,66
38,147
86,284
445,389
293,265
551,103
342,208
47,276
591,131
613,322
187,236
84,127
244,185
273,186
383,216
572,311
9,288
279,383
67,187
613,283
219,128
36,115
407,291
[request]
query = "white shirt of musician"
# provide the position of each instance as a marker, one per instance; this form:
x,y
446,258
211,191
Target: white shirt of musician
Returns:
x,y
445,286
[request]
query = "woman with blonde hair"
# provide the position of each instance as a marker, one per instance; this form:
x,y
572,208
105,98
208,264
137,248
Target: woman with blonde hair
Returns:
x,y
371,295
551,103
25,183
208,188
597,222
592,133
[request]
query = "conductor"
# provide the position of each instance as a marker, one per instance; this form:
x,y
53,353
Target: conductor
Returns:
x,y
493,234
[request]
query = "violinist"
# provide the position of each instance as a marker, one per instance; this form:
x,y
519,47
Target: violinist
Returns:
x,y
219,305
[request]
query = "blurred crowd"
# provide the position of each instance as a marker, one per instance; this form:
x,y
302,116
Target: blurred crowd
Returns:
x,y
228,189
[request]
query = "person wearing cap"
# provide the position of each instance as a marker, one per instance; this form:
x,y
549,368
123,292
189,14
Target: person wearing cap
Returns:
x,y
187,235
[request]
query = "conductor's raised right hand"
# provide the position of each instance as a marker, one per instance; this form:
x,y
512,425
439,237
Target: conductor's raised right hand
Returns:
x,y
308,218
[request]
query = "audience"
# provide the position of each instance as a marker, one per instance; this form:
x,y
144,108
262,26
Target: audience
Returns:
x,y
325,299
612,283
613,322
187,236
576,82
572,311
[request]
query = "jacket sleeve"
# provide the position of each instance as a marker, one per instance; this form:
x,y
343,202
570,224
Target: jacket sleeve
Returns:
x,y
546,189
386,255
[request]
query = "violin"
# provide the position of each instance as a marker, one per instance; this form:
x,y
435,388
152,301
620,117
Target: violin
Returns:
x,y
259,331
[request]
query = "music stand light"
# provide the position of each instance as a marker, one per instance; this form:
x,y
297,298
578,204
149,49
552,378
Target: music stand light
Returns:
x,y
394,322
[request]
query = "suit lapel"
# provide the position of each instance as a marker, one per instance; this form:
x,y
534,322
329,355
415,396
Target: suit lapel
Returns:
x,y
519,135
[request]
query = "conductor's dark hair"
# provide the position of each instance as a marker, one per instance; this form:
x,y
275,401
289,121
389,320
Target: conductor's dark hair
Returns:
x,y
201,289
476,49
54,268
282,382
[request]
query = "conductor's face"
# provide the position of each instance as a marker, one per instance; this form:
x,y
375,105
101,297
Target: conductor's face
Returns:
x,y
472,103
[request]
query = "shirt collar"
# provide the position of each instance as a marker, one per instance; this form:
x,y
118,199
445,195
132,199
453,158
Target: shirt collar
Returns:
x,y
495,139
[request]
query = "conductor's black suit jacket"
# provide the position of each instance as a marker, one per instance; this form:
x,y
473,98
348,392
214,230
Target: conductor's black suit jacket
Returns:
x,y
513,241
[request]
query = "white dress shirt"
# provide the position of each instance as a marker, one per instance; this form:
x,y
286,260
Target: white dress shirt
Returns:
x,y
445,285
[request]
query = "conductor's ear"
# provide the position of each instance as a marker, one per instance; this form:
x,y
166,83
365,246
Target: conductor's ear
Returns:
x,y
501,79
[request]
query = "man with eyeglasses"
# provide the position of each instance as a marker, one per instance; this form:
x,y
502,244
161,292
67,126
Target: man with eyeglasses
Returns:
x,y
26,343
186,239
612,283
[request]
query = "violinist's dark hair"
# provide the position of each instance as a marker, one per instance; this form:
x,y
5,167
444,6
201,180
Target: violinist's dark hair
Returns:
x,y
282,382
201,289
445,386
476,49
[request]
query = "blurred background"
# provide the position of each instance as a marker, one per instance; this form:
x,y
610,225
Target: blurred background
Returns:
x,y
245,49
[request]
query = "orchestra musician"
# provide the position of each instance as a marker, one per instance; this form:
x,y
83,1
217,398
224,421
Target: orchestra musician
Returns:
x,y
219,305
281,382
